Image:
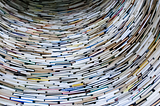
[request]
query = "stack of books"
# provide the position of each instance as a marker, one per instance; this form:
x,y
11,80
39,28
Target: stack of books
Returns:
x,y
80,52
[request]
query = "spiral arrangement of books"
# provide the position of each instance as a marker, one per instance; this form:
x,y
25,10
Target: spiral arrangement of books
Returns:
x,y
79,52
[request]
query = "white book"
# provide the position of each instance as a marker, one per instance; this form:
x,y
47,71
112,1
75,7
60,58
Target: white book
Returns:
x,y
9,102
34,104
10,89
108,95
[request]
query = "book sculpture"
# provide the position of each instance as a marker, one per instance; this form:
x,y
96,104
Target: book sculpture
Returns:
x,y
79,52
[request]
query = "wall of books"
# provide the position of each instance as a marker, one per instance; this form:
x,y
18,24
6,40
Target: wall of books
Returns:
x,y
79,52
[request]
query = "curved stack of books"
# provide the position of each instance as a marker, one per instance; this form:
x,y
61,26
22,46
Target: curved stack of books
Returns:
x,y
79,52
